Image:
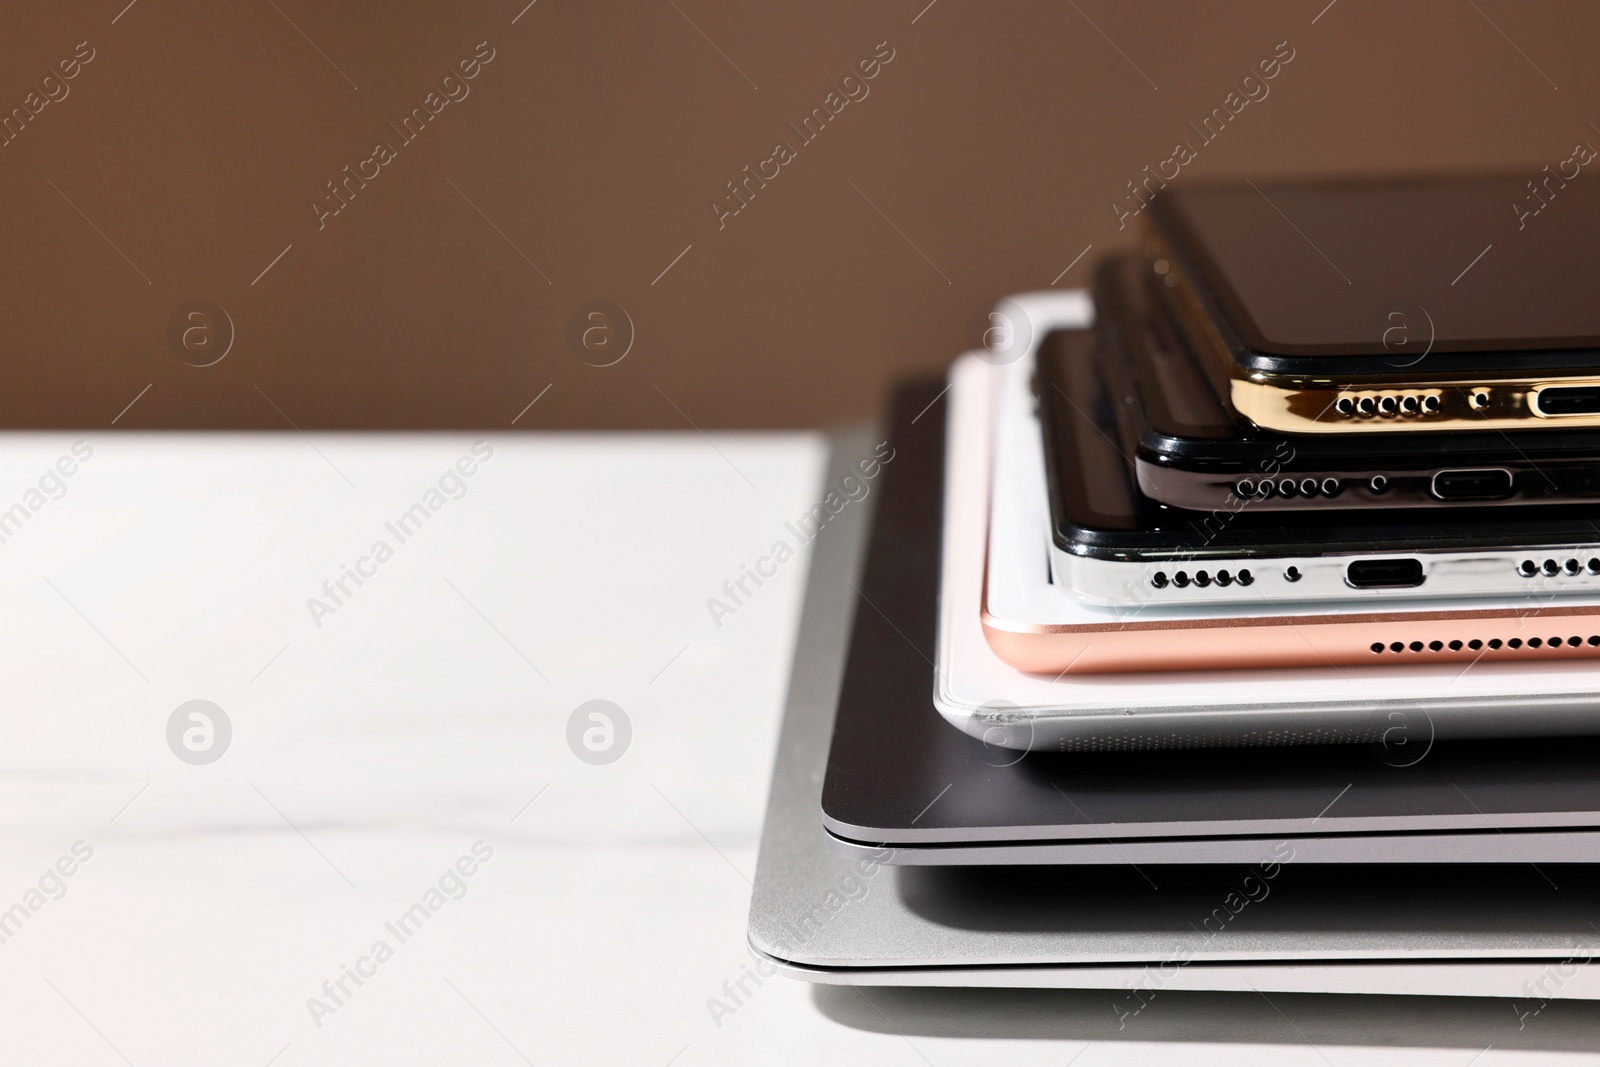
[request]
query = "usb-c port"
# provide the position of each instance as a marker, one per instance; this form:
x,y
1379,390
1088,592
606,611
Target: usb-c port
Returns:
x,y
1558,400
1384,573
1487,484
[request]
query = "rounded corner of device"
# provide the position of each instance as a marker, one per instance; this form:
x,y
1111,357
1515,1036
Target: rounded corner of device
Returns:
x,y
846,842
1056,309
768,951
959,716
1021,646
815,972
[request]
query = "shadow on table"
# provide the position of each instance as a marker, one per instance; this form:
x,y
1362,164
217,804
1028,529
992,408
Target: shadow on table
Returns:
x,y
1318,1019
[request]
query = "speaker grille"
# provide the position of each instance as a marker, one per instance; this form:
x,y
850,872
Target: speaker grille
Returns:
x,y
1388,404
1493,644
1287,487
1200,579
1555,568
1253,739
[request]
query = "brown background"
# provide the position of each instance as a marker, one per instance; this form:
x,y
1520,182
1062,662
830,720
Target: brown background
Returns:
x,y
993,141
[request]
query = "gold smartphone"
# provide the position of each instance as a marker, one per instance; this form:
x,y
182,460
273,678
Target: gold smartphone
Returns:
x,y
1418,304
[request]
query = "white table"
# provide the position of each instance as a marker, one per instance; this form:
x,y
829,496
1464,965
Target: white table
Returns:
x,y
428,712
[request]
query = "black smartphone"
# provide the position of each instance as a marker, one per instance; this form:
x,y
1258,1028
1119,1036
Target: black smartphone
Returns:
x,y
1111,544
1411,304
1190,452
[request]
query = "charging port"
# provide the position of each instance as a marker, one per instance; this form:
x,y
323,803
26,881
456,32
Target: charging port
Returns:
x,y
1561,400
1488,484
1383,573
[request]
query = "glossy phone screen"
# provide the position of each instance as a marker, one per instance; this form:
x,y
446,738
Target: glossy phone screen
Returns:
x,y
1396,268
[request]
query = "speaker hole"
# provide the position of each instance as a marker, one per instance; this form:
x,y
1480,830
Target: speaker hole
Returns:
x,y
1245,577
1529,568
1494,643
1416,646
1377,646
1397,647
1434,646
1224,578
1455,646
1159,579
1534,642
1515,642
1202,579
1475,644
1292,574
1181,579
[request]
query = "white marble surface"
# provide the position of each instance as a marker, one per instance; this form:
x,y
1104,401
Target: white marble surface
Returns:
x,y
369,754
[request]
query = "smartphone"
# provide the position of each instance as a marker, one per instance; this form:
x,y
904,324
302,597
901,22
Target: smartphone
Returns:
x,y
997,573
1418,304
1112,545
1014,648
1189,451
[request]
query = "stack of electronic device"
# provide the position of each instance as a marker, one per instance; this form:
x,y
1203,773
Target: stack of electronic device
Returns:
x,y
1318,451
1279,546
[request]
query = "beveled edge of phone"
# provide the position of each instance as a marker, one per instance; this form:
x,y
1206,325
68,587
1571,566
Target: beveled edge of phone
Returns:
x,y
1192,488
1367,639
1321,406
1525,575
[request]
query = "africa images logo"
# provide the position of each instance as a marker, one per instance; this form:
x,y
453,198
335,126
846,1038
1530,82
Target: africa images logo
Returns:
x,y
337,591
342,191
853,87
850,489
